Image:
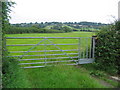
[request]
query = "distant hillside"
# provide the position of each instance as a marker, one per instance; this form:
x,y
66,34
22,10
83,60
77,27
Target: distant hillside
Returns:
x,y
73,26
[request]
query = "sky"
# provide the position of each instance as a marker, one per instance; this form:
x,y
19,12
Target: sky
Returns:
x,y
26,11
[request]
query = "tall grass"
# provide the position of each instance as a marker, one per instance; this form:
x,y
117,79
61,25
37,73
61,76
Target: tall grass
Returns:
x,y
13,76
61,77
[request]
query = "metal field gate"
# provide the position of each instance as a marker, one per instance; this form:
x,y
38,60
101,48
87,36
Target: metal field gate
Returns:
x,y
33,52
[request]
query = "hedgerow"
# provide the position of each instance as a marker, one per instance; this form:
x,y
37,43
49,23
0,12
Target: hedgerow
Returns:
x,y
12,75
20,30
108,49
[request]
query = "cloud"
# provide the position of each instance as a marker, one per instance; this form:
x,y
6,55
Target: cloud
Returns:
x,y
63,10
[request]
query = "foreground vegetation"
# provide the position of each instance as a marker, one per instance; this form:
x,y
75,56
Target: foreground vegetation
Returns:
x,y
61,77
13,75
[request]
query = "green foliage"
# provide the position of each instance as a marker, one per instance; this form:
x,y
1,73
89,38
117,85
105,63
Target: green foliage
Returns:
x,y
5,14
97,73
108,49
13,76
67,29
33,29
63,28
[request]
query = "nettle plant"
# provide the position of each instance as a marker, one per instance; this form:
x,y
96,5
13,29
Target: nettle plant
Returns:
x,y
108,49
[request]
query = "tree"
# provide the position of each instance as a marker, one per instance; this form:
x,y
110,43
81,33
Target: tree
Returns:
x,y
67,29
5,21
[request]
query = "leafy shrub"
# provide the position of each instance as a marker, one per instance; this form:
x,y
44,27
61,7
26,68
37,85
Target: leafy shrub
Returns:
x,y
108,49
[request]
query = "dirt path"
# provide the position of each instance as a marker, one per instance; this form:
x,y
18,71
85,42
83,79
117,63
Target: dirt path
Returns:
x,y
104,83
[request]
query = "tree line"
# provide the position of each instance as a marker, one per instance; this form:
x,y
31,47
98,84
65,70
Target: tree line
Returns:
x,y
53,27
35,29
44,24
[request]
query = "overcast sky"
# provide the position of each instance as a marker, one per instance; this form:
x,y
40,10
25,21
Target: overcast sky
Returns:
x,y
26,11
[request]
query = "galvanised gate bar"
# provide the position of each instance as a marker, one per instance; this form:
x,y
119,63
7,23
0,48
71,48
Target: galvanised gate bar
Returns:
x,y
49,51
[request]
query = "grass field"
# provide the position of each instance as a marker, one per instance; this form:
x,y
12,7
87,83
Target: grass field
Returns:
x,y
71,34
56,76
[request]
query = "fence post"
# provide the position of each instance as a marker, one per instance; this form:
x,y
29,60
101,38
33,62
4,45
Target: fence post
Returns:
x,y
79,48
86,48
93,41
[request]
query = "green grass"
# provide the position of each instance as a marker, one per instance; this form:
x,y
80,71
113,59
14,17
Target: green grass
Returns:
x,y
35,41
12,75
71,34
55,76
61,77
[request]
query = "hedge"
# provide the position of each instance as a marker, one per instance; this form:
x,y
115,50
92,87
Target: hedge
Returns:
x,y
107,50
20,30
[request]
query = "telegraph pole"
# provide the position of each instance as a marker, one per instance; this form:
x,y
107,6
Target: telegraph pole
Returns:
x,y
119,10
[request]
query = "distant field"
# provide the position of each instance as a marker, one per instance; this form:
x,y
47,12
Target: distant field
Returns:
x,y
71,34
